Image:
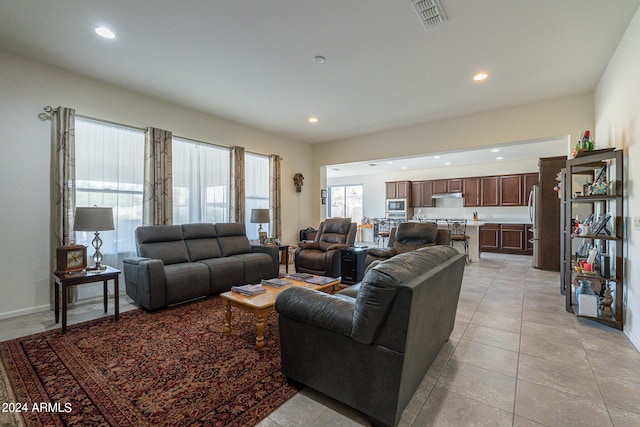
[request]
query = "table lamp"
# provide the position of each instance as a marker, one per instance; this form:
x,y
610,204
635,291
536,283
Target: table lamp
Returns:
x,y
94,219
260,216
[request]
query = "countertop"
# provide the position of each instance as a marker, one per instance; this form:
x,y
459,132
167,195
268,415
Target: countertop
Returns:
x,y
481,221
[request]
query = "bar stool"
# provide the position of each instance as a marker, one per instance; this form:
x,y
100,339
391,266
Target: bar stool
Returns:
x,y
458,228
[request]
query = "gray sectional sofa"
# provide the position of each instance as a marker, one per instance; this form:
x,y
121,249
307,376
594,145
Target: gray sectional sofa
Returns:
x,y
370,345
178,263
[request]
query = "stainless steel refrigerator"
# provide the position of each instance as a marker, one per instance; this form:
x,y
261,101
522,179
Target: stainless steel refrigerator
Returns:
x,y
535,212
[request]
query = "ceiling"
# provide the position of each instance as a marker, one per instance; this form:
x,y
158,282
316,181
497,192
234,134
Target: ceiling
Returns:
x,y
548,147
251,61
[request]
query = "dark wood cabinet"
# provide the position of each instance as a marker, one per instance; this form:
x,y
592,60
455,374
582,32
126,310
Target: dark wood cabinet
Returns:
x,y
506,238
528,181
352,265
511,190
471,192
421,194
454,185
490,194
440,186
490,237
398,189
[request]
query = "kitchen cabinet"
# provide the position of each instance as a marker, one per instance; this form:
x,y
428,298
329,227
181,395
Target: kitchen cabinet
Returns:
x,y
605,236
511,190
421,194
549,223
528,181
440,186
490,191
398,189
454,185
506,238
471,192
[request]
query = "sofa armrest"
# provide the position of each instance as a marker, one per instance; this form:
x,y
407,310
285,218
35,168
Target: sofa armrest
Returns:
x,y
443,237
274,252
383,253
337,246
145,281
331,312
308,244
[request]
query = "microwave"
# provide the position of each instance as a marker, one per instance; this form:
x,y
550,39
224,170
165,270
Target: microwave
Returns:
x,y
396,205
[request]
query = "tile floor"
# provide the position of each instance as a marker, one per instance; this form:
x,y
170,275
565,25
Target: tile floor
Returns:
x,y
515,358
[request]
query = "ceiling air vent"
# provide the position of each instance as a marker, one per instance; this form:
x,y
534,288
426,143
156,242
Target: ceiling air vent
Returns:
x,y
430,12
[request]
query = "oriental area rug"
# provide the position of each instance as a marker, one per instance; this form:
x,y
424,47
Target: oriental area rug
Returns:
x,y
175,367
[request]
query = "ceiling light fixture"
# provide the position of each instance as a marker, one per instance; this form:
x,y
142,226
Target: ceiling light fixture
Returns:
x,y
480,76
319,59
313,120
447,163
105,33
495,150
436,157
499,158
403,168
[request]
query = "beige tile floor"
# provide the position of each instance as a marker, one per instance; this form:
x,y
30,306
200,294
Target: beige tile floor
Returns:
x,y
515,358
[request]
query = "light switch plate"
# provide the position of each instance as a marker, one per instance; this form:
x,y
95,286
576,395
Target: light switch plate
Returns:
x,y
636,222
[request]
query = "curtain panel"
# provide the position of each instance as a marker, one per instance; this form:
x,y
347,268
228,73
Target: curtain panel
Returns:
x,y
63,183
237,193
157,208
274,197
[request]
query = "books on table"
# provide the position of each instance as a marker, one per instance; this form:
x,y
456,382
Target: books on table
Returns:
x,y
276,283
249,290
320,280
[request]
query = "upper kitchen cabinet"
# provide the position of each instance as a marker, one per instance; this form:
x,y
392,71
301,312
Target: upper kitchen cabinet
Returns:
x,y
443,186
511,190
398,189
528,181
490,190
421,194
471,191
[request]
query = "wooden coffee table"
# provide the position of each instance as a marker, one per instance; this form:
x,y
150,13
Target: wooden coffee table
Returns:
x,y
264,303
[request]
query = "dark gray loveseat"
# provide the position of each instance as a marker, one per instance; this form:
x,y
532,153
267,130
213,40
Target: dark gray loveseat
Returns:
x,y
178,263
370,349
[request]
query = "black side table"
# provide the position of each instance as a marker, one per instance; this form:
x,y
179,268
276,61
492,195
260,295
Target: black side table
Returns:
x,y
352,265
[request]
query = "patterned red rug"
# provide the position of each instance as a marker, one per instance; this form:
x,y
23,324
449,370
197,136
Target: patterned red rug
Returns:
x,y
175,367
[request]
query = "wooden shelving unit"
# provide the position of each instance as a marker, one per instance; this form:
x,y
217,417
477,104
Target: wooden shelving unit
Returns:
x,y
609,246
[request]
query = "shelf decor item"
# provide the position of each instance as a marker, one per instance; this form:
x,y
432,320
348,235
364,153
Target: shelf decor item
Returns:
x,y
71,258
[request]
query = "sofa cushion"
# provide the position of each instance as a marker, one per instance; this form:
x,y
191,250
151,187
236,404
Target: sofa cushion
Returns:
x,y
201,241
232,238
164,242
225,273
257,266
186,281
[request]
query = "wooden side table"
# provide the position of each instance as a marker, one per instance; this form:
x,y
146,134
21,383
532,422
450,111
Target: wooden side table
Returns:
x,y
352,264
284,250
67,280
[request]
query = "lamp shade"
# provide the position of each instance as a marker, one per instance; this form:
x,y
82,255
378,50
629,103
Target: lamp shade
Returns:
x,y
259,216
93,219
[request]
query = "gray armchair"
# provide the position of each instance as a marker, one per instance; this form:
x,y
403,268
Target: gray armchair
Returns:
x,y
410,236
322,255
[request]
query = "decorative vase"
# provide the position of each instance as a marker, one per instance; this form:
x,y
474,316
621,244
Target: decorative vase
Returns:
x,y
584,288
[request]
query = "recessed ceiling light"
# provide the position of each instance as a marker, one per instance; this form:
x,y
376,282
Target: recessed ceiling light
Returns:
x,y
447,163
480,76
319,59
389,163
105,32
495,150
313,120
404,167
436,157
499,158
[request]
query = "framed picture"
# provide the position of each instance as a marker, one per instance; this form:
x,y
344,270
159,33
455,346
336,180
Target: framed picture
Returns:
x,y
71,258
601,225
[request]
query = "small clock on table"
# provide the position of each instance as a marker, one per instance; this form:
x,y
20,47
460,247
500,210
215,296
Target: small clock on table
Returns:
x,y
71,258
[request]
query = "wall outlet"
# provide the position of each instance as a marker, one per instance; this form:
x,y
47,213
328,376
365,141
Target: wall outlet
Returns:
x,y
636,222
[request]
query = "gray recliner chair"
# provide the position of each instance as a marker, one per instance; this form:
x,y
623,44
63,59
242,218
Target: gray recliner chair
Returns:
x,y
322,255
410,236
372,350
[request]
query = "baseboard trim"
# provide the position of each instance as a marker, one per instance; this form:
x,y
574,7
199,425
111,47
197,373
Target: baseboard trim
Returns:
x,y
634,339
24,312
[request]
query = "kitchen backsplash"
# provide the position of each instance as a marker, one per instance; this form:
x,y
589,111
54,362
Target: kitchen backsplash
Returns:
x,y
453,208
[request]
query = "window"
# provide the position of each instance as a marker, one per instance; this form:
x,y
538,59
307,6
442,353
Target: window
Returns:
x,y
346,201
256,189
200,182
109,173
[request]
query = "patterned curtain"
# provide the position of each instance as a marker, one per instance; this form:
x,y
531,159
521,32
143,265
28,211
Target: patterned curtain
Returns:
x,y
274,197
157,207
237,193
63,183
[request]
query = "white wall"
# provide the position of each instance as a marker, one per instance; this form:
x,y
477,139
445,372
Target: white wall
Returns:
x,y
617,109
26,87
374,190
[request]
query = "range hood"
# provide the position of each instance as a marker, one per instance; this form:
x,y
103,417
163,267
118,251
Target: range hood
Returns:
x,y
447,195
